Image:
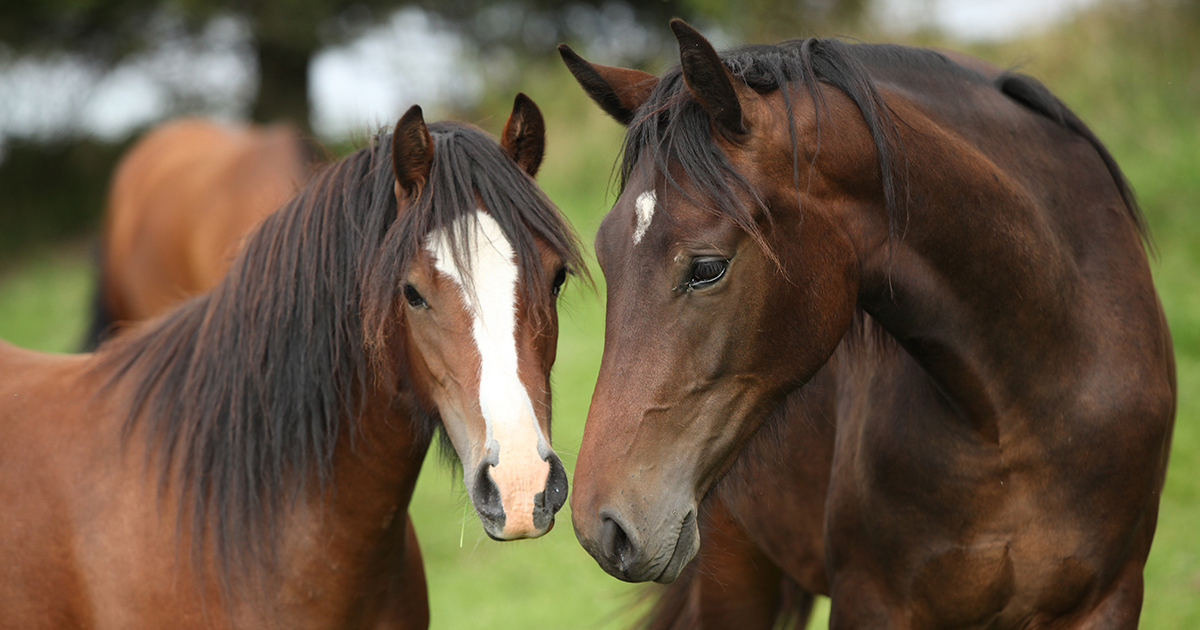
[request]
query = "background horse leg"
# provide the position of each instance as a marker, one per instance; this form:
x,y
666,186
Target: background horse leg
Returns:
x,y
776,490
730,583
101,318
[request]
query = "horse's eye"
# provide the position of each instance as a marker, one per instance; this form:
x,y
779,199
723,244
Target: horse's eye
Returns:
x,y
706,271
414,298
560,278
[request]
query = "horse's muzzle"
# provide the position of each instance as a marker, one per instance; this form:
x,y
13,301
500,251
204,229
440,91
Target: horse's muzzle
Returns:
x,y
490,504
621,552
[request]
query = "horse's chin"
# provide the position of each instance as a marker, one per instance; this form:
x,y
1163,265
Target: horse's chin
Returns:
x,y
686,546
499,535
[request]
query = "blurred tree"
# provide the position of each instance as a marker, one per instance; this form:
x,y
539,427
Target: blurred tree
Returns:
x,y
529,23
773,20
287,34
537,26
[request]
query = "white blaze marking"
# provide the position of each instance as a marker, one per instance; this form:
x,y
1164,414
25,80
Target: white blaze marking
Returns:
x,y
645,214
512,429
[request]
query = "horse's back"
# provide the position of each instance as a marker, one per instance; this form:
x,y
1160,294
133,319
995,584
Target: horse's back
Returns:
x,y
1068,207
47,453
181,201
83,542
1049,512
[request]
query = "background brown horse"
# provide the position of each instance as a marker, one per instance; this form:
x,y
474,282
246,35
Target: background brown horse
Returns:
x,y
180,202
275,426
1001,427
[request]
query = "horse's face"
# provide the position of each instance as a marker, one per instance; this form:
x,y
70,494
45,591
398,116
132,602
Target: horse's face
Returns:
x,y
485,364
482,356
705,334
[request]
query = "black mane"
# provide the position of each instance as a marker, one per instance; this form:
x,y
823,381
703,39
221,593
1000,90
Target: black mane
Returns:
x,y
244,392
675,129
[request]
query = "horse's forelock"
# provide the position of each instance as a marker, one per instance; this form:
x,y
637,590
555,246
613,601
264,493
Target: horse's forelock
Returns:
x,y
672,128
471,171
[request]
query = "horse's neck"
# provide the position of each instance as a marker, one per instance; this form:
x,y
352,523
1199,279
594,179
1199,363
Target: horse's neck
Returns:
x,y
351,540
1005,277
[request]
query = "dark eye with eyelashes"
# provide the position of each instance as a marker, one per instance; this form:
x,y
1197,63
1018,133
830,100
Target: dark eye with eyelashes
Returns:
x,y
560,278
414,298
706,272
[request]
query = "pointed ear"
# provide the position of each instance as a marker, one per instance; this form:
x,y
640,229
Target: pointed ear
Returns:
x,y
707,78
618,91
412,153
524,137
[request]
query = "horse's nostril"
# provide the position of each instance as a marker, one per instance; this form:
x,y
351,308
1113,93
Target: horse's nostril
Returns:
x,y
486,496
556,485
616,544
550,500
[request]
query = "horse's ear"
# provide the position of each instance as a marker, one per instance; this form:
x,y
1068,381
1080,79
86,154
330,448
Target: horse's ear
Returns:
x,y
707,78
412,153
618,91
524,137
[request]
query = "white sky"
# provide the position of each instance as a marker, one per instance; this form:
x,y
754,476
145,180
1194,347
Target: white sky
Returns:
x,y
358,87
369,82
976,20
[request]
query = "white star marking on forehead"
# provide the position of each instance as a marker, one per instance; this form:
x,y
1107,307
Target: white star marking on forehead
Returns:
x,y
645,214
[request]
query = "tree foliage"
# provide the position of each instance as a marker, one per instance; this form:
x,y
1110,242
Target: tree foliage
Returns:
x,y
287,34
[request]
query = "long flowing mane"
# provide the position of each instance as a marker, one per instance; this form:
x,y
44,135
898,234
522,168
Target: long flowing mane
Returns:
x,y
675,130
244,393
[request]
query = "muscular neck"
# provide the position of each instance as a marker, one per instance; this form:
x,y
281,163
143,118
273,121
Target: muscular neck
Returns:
x,y
344,549
979,291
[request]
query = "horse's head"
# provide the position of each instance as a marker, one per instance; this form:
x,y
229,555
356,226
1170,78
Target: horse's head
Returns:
x,y
478,302
709,271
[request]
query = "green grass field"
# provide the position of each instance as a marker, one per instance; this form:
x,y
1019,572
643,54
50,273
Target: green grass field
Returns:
x,y
1134,78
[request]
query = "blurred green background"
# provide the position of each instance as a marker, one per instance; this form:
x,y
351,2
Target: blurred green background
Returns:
x,y
1130,69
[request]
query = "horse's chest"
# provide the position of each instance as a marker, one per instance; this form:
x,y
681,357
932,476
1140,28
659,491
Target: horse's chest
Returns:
x,y
962,586
996,584
960,532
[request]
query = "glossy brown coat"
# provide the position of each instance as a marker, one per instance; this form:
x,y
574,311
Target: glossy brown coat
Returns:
x,y
181,202
178,478
1004,409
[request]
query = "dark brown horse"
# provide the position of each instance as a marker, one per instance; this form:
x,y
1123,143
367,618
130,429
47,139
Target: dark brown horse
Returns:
x,y
242,460
761,556
953,259
181,201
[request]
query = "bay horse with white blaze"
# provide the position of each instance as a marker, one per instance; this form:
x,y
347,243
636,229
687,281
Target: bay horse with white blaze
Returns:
x,y
181,201
1004,391
241,461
